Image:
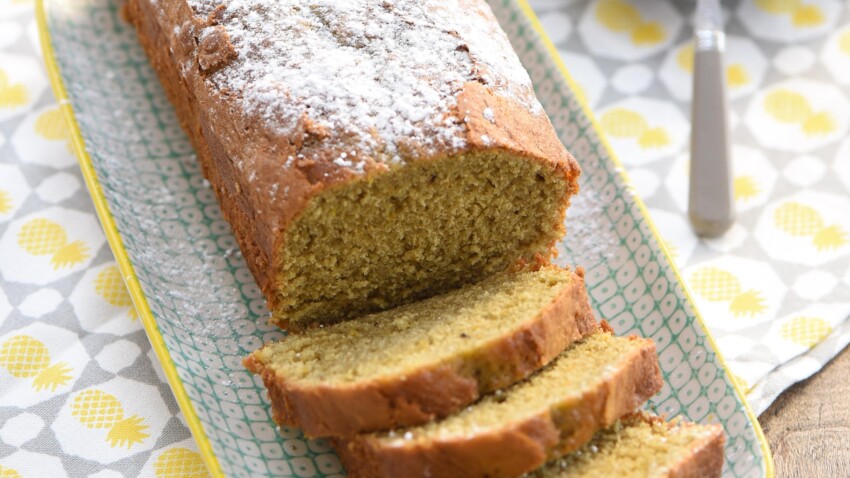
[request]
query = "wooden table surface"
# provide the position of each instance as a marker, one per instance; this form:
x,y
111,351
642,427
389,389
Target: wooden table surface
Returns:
x,y
808,426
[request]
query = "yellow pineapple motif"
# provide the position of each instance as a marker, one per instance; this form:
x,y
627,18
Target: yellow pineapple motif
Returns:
x,y
819,123
807,16
800,220
11,95
685,58
98,409
110,286
779,6
736,73
654,138
5,202
9,473
844,42
745,188
788,106
806,331
802,16
718,285
625,123
180,462
51,125
619,16
26,357
44,237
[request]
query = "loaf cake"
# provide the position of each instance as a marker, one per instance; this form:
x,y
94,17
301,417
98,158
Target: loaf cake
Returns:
x,y
427,359
366,153
556,411
644,446
385,168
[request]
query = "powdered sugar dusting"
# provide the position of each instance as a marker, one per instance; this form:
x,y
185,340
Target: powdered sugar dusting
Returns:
x,y
377,77
489,115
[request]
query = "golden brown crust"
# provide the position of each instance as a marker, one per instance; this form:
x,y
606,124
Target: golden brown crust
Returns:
x,y
516,130
326,409
244,163
507,453
706,457
516,447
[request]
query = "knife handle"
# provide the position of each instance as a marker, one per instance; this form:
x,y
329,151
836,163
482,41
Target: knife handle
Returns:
x,y
711,206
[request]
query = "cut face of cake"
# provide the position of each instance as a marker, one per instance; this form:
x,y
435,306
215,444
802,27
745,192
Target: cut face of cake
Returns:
x,y
416,231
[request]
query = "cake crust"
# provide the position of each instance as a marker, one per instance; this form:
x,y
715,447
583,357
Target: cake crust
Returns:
x,y
705,459
432,391
516,447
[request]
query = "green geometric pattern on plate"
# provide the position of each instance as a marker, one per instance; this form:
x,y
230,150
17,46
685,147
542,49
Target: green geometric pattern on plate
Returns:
x,y
210,312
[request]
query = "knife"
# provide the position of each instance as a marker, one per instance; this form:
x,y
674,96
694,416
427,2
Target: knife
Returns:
x,y
711,208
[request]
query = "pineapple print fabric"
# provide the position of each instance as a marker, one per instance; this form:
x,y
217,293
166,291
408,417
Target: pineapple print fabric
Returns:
x,y
81,393
775,290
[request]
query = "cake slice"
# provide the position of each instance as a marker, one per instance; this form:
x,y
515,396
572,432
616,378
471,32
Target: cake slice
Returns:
x,y
514,431
424,360
644,446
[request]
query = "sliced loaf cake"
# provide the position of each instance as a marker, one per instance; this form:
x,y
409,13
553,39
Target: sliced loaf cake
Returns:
x,y
424,360
644,446
514,431
366,154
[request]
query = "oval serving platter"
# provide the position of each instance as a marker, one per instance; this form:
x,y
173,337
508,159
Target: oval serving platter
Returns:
x,y
203,312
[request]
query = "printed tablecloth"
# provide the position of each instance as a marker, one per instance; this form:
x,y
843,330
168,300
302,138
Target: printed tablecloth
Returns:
x,y
81,393
775,289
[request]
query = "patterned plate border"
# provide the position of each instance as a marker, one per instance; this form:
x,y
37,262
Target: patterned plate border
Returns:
x,y
140,300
